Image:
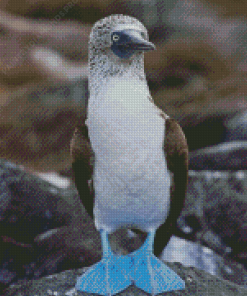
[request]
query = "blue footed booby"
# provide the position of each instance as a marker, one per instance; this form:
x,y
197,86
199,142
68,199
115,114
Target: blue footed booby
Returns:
x,y
140,167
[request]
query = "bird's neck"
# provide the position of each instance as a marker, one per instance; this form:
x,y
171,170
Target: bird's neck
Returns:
x,y
125,95
103,68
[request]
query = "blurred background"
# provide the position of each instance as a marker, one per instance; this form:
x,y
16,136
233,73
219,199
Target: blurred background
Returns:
x,y
197,75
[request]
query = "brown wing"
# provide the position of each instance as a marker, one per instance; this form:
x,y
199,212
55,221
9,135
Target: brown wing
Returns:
x,y
82,165
176,150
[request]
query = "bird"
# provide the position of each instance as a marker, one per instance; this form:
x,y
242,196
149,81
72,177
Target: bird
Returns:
x,y
130,161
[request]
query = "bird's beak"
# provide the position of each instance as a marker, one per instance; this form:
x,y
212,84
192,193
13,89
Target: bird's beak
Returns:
x,y
136,41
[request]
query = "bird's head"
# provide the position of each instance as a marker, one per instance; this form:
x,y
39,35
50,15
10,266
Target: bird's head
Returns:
x,y
122,34
126,40
117,42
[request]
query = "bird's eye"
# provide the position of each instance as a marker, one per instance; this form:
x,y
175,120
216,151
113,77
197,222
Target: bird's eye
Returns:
x,y
143,35
115,37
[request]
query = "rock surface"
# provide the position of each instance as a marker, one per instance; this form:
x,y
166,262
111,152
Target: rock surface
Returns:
x,y
215,209
35,224
230,155
198,283
237,128
44,229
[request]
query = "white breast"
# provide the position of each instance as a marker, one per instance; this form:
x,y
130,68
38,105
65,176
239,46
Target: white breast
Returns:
x,y
122,117
131,179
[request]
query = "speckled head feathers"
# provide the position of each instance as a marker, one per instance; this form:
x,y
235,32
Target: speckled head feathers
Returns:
x,y
103,63
100,36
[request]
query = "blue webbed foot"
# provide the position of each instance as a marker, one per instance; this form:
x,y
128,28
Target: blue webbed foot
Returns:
x,y
115,273
151,274
104,278
109,276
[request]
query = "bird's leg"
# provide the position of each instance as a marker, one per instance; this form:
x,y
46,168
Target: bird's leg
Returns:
x,y
150,240
151,274
109,276
107,254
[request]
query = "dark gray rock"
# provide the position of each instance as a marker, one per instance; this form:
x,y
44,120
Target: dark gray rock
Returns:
x,y
45,229
225,156
197,281
230,153
236,128
195,254
215,210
